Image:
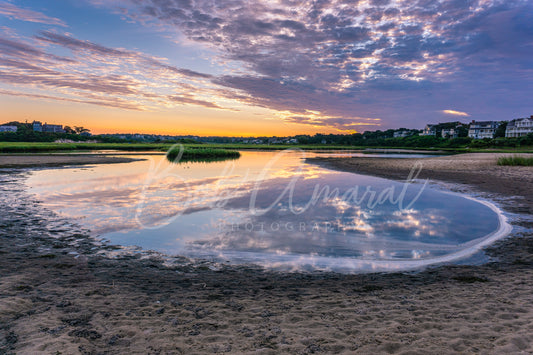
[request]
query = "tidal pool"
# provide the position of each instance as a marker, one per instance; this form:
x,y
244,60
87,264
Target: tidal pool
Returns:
x,y
271,209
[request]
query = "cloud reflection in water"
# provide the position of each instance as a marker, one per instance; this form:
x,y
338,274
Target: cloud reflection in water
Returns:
x,y
203,210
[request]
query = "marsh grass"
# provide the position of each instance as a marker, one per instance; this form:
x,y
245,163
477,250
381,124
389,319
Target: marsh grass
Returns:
x,y
38,147
45,147
201,154
515,160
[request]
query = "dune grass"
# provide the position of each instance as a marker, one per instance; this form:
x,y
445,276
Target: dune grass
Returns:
x,y
515,160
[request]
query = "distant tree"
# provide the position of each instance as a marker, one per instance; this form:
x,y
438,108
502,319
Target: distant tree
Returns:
x,y
462,131
388,133
80,130
500,131
69,130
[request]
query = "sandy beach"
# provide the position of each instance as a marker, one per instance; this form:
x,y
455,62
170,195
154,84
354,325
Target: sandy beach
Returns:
x,y
60,295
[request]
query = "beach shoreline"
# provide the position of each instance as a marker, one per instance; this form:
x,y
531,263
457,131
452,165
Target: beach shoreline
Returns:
x,y
61,294
57,160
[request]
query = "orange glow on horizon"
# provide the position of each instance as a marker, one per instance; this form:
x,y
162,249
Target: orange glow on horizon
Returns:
x,y
185,120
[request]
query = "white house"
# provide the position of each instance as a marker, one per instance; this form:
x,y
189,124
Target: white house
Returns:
x,y
449,133
8,128
402,134
519,127
484,129
429,130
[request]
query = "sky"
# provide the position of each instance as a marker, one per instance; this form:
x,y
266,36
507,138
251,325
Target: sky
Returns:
x,y
256,68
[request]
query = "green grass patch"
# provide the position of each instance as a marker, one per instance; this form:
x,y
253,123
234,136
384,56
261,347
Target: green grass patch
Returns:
x,y
38,147
43,147
187,154
515,160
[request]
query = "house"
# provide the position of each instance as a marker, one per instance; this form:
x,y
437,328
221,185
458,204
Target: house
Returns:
x,y
402,134
8,128
519,127
52,128
429,130
49,128
449,133
37,126
483,129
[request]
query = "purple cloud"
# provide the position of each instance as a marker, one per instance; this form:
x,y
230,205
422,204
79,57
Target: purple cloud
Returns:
x,y
381,59
335,64
188,100
97,75
12,11
79,45
104,101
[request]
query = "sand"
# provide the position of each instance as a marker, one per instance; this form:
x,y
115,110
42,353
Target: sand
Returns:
x,y
39,160
58,294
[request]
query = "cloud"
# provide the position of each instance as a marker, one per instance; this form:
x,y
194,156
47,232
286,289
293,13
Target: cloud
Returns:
x,y
188,100
97,75
341,124
79,45
456,113
104,101
379,58
12,11
382,62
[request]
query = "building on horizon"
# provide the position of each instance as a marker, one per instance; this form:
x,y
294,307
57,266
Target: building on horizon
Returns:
x,y
37,126
402,133
53,128
429,130
483,129
519,127
445,130
47,128
8,128
449,133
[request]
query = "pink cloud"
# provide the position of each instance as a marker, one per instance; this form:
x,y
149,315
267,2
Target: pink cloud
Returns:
x,y
14,12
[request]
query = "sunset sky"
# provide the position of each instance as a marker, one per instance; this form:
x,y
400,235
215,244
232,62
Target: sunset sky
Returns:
x,y
236,67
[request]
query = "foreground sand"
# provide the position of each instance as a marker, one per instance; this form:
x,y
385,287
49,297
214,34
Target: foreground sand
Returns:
x,y
52,301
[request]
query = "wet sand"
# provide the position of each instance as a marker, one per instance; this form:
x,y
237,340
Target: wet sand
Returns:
x,y
39,160
59,294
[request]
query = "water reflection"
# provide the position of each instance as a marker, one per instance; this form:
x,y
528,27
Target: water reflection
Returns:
x,y
268,208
